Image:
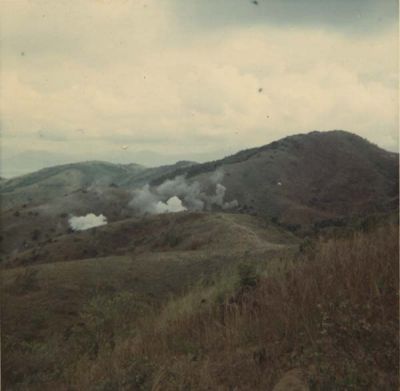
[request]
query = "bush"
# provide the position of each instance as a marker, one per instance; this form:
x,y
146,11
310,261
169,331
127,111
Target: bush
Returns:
x,y
248,275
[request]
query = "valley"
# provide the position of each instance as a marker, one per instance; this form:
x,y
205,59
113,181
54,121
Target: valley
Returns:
x,y
266,239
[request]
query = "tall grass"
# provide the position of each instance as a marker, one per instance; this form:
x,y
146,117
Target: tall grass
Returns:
x,y
333,314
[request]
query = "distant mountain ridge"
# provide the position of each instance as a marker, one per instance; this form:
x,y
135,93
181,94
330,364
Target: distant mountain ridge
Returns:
x,y
56,181
300,179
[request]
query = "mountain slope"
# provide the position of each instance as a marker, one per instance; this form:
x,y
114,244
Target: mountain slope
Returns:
x,y
82,309
148,259
316,178
53,182
181,232
304,179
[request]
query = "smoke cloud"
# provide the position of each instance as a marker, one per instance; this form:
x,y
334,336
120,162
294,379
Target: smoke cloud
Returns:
x,y
82,223
173,205
178,194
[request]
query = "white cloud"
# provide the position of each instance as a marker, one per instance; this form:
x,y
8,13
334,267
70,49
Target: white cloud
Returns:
x,y
126,73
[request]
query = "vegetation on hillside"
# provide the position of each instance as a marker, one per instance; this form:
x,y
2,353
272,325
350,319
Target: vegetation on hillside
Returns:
x,y
331,311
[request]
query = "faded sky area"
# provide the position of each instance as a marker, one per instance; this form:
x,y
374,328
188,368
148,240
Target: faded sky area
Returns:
x,y
154,81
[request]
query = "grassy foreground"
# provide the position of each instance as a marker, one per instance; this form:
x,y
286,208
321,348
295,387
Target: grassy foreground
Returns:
x,y
331,312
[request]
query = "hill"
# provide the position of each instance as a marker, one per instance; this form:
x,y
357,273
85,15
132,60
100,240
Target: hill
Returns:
x,y
181,232
51,183
134,264
308,178
111,322
223,293
319,178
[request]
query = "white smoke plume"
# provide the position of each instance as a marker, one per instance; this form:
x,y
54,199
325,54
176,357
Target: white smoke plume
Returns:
x,y
173,205
175,195
82,223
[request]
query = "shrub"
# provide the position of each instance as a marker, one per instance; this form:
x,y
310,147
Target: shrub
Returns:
x,y
247,274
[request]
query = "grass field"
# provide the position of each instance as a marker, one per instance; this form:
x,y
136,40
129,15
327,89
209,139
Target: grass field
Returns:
x,y
196,320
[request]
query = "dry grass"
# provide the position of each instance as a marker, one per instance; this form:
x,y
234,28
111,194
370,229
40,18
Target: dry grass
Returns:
x,y
334,315
332,312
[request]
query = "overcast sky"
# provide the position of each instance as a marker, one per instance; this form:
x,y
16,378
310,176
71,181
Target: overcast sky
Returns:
x,y
147,79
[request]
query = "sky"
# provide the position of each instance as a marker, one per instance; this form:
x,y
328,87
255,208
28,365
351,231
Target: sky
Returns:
x,y
155,81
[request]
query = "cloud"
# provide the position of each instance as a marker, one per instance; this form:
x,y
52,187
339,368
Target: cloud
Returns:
x,y
348,16
135,73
